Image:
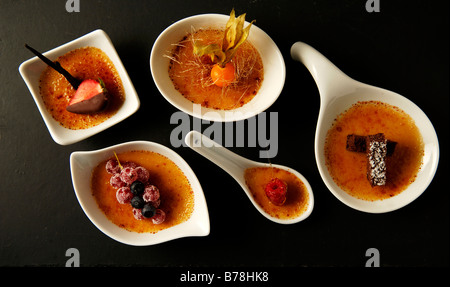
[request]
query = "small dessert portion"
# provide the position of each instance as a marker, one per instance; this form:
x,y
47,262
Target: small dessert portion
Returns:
x,y
279,192
373,150
142,191
90,96
82,88
218,69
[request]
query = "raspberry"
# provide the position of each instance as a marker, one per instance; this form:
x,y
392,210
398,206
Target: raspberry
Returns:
x,y
112,166
151,193
143,174
159,217
116,181
128,175
124,195
276,191
129,164
138,214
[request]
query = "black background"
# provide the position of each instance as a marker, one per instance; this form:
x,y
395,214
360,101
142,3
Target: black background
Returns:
x,y
403,48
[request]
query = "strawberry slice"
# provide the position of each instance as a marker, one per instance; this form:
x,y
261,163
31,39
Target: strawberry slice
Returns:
x,y
276,191
90,97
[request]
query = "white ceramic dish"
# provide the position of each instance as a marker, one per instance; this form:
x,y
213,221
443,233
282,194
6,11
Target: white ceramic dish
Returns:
x,y
82,164
32,69
338,92
235,165
274,69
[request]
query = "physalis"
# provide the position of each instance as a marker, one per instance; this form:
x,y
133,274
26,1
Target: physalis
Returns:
x,y
223,72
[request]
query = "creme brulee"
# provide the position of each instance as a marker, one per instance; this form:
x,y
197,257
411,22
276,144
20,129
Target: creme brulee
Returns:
x,y
349,169
83,63
190,74
297,196
177,196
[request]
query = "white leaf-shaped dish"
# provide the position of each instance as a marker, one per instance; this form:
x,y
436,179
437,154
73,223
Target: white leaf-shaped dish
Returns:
x,y
82,164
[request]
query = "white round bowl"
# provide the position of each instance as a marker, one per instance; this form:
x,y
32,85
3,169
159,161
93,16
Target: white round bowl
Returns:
x,y
82,165
273,62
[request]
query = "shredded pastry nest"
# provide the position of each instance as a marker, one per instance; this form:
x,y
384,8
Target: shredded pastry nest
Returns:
x,y
245,63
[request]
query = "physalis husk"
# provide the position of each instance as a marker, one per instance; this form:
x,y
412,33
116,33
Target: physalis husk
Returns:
x,y
235,34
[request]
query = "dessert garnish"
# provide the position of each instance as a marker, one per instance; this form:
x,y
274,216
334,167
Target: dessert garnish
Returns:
x,y
90,96
346,150
223,72
376,156
377,149
133,186
357,143
276,191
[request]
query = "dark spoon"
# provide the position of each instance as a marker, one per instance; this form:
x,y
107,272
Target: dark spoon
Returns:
x,y
57,66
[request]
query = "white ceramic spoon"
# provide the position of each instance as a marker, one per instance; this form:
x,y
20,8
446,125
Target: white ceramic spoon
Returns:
x,y
236,165
338,92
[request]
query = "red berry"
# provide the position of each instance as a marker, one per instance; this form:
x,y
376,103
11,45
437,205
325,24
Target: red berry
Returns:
x,y
116,181
128,175
124,195
143,174
151,193
276,191
129,164
112,166
138,214
159,217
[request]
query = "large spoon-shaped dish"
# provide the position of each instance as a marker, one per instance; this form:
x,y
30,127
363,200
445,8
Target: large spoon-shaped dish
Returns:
x,y
338,92
235,165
